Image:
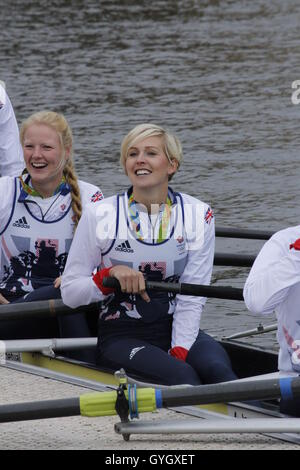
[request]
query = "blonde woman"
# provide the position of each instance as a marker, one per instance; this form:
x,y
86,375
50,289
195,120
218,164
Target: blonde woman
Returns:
x,y
148,232
39,213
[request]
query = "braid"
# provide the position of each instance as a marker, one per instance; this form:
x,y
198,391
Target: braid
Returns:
x,y
71,178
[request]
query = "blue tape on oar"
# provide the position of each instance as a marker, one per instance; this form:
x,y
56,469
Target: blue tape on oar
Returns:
x,y
286,388
158,398
133,403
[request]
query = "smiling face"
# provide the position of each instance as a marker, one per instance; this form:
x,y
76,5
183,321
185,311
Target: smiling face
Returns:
x,y
147,165
44,158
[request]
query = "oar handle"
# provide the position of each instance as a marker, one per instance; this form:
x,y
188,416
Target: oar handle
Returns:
x,y
218,292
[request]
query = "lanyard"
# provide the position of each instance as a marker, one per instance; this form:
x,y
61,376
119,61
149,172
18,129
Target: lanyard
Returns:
x,y
32,192
164,215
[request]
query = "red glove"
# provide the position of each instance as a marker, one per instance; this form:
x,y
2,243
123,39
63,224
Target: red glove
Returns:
x,y
179,352
295,245
98,280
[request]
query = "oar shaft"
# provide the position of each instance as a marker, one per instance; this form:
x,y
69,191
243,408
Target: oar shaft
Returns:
x,y
89,404
56,307
38,309
244,233
228,259
219,292
40,410
231,391
149,399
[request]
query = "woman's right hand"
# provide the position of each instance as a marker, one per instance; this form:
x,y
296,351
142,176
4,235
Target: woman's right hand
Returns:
x,y
3,300
131,281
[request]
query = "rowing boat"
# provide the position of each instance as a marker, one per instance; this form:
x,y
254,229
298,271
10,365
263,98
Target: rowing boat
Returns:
x,y
249,362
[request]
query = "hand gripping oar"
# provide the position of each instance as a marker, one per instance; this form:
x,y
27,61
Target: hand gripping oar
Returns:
x,y
232,293
55,307
39,309
149,399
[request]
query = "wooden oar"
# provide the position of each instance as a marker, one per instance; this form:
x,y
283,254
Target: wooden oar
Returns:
x,y
150,399
218,292
39,309
244,233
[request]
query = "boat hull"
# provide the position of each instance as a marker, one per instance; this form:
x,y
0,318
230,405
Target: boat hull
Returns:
x,y
246,359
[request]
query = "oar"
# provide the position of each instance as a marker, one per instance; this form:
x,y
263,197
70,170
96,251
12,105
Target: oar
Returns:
x,y
56,307
244,233
228,259
149,399
41,345
218,292
39,309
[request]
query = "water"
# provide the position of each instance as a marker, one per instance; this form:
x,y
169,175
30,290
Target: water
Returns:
x,y
217,73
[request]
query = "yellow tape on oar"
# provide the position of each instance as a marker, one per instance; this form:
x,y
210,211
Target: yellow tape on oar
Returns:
x,y
103,403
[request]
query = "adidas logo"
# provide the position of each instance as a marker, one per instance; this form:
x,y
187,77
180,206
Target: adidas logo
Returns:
x,y
22,223
124,247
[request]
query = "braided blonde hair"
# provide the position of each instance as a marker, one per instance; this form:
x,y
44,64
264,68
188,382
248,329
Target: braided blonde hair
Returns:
x,y
71,178
59,123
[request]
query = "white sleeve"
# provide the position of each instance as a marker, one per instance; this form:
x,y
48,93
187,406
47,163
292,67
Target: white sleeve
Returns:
x,y
89,193
7,189
78,287
275,270
11,153
198,270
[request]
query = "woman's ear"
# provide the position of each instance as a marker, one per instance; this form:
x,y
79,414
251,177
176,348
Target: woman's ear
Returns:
x,y
173,167
68,152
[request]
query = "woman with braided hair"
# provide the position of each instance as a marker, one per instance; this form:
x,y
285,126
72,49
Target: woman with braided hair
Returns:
x,y
39,213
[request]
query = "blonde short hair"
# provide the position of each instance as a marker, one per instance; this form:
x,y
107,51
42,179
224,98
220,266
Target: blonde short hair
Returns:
x,y
171,144
59,123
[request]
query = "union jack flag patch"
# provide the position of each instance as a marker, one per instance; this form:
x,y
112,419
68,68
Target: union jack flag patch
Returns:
x,y
97,197
208,216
